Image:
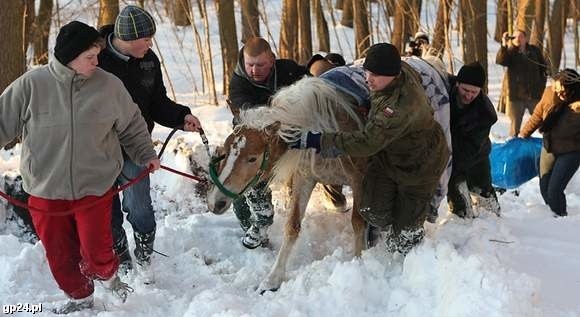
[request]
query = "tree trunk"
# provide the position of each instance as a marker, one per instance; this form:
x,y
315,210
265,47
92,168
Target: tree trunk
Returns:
x,y
228,39
474,35
347,18
525,16
181,12
339,4
321,27
537,36
400,29
557,27
108,11
289,30
13,55
305,32
361,27
250,19
28,22
501,20
41,32
209,56
441,27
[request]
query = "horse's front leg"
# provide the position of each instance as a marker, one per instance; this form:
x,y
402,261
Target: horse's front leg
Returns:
x,y
301,190
358,223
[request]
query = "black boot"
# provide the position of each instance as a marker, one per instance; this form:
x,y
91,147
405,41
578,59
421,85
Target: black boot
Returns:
x,y
144,247
121,248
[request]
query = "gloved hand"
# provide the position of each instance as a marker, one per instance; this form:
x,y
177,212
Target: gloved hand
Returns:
x,y
306,140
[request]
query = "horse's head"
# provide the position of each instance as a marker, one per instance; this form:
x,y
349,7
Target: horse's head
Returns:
x,y
244,159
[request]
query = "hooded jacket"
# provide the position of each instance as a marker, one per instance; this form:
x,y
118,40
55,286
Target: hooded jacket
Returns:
x,y
244,93
143,79
72,128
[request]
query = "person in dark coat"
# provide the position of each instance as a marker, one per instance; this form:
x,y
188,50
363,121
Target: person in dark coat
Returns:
x,y
526,76
472,115
406,148
560,123
258,75
128,56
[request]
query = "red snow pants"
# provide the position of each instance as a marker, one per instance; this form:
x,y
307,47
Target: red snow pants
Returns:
x,y
79,246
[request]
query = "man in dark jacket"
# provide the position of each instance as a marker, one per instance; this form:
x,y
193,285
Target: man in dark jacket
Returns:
x,y
256,78
128,55
472,115
526,73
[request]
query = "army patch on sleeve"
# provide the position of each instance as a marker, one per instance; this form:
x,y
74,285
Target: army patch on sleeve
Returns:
x,y
388,112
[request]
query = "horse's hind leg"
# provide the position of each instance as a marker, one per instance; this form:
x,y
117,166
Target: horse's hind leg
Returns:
x,y
301,190
358,223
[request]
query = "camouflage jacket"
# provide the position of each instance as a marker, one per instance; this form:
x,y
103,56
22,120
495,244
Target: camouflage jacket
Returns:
x,y
400,133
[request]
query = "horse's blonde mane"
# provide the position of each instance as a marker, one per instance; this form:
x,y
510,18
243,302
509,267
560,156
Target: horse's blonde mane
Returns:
x,y
311,104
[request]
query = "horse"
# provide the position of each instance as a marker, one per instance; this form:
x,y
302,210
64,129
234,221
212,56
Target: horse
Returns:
x,y
257,150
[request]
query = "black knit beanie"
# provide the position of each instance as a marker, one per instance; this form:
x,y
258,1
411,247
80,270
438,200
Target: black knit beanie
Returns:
x,y
383,59
73,39
134,23
472,74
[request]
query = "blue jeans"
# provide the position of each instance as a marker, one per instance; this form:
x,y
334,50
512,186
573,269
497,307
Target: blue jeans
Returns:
x,y
136,203
555,174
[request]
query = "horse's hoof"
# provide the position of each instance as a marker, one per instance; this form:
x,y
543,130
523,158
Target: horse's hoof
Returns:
x,y
262,291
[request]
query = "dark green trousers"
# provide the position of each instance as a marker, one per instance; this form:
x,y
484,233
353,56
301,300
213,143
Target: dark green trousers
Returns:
x,y
255,207
478,181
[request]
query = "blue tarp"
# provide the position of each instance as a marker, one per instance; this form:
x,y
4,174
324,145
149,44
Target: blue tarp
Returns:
x,y
514,162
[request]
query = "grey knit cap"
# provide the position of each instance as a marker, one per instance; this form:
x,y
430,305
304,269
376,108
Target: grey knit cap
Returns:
x,y
134,23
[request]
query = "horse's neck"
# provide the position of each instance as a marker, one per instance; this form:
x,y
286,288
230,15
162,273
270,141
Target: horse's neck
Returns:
x,y
277,149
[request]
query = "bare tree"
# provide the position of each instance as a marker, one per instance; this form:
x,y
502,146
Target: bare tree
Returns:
x,y
347,13
108,11
441,36
12,58
525,15
289,30
305,32
41,31
362,32
400,30
557,27
473,29
181,12
250,19
501,20
228,39
209,61
339,4
321,27
28,21
537,36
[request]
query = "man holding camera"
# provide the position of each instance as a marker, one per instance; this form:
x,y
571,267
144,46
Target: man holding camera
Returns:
x,y
526,72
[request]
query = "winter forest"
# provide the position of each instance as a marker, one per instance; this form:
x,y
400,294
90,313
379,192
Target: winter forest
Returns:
x,y
522,261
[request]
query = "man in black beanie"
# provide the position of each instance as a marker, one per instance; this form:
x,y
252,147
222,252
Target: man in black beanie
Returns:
x,y
128,55
472,115
406,148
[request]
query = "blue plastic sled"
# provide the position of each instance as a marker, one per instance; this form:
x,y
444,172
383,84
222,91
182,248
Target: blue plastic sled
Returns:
x,y
514,162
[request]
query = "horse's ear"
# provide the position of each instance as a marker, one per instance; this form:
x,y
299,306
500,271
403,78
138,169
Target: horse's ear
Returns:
x,y
272,129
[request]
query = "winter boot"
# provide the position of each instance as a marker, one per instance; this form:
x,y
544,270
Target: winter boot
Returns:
x,y
404,241
75,305
144,247
255,237
118,288
372,235
122,251
143,251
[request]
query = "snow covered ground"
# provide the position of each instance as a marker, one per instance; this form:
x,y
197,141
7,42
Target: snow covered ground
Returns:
x,y
523,264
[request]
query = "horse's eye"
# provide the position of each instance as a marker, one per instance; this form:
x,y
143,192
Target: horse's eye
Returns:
x,y
252,160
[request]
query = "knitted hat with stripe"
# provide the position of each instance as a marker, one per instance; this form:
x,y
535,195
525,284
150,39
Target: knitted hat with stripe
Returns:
x,y
134,23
